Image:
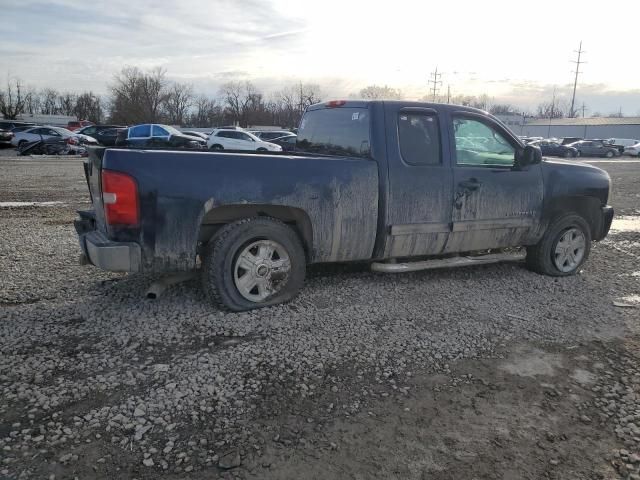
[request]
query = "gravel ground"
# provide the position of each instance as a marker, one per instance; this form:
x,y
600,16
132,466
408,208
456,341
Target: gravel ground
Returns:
x,y
484,372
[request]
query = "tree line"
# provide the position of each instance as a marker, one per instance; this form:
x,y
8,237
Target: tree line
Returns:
x,y
137,96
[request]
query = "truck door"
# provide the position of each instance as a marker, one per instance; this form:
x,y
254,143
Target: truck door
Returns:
x,y
495,203
420,182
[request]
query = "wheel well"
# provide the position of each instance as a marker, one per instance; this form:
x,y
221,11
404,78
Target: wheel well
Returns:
x,y
296,218
587,207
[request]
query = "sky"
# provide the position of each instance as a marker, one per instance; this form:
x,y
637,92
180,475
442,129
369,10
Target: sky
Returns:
x,y
515,52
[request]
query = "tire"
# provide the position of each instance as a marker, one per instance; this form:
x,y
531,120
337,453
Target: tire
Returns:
x,y
261,149
609,154
544,257
237,243
568,154
216,147
578,153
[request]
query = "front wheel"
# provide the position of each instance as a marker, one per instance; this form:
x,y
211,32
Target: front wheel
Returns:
x,y
216,147
253,263
578,153
609,154
563,249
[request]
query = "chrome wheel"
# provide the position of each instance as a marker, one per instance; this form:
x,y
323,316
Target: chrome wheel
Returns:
x,y
261,270
569,250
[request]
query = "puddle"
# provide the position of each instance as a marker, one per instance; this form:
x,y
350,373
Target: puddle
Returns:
x,y
31,204
630,223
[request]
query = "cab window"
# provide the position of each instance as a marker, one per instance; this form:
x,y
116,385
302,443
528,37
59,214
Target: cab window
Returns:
x,y
479,144
419,138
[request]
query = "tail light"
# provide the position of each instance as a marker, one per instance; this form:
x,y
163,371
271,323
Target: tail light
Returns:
x,y
120,198
335,103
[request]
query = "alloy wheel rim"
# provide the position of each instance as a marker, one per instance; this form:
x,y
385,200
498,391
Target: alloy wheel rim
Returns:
x,y
261,270
569,250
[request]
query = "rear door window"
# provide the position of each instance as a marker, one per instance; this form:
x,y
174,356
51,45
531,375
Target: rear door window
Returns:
x,y
335,131
159,131
419,138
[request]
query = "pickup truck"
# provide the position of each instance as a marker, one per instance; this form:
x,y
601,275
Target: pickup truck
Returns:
x,y
402,185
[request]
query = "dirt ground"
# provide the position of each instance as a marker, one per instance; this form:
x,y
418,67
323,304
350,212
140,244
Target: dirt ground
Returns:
x,y
483,373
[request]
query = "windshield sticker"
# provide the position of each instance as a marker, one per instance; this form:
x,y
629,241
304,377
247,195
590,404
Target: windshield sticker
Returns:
x,y
355,116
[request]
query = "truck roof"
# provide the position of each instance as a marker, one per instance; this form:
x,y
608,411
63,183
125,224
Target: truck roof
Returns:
x,y
404,103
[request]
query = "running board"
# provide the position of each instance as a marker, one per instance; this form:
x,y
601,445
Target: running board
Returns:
x,y
447,262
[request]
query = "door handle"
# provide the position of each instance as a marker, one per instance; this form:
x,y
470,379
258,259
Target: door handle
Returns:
x,y
470,185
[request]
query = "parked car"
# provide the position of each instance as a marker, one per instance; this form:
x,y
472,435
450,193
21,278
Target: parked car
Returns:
x,y
225,139
288,142
633,150
92,130
621,143
268,135
370,181
39,133
570,140
554,149
153,135
22,128
594,148
76,125
109,137
5,137
105,134
12,124
193,133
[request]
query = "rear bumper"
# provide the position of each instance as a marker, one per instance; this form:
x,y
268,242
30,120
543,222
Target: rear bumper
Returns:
x,y
104,253
605,224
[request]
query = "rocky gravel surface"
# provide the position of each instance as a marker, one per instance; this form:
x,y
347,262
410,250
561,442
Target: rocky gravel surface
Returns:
x,y
98,382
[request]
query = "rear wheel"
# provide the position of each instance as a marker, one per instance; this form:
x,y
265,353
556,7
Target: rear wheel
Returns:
x,y
563,249
252,263
568,154
578,153
609,154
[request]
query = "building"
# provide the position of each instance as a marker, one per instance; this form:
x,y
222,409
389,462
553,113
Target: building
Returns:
x,y
53,120
596,127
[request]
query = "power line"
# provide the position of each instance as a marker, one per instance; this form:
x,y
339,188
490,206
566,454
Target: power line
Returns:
x,y
572,112
436,82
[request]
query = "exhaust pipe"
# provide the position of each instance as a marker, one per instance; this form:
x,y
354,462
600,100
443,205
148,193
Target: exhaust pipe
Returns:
x,y
157,287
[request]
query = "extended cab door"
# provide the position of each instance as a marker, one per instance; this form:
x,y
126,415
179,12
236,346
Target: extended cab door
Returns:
x,y
420,193
496,204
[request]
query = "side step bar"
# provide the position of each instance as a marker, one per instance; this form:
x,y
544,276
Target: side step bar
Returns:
x,y
447,262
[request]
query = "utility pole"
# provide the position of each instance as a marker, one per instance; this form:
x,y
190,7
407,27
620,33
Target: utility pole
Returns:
x,y
572,112
551,113
436,83
583,108
448,93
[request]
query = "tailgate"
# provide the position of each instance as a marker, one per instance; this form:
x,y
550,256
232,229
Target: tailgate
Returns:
x,y
92,168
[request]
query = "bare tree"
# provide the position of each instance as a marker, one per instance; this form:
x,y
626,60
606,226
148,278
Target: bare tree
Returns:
x,y
502,109
177,101
206,113
49,102
137,97
66,103
13,100
553,109
376,92
88,107
240,99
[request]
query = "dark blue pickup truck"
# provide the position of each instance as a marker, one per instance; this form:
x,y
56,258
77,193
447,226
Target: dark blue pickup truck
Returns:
x,y
402,185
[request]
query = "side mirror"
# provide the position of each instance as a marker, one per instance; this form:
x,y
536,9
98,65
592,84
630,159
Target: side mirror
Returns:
x,y
530,155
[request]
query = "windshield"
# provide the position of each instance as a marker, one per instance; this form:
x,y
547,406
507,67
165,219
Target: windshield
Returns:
x,y
335,131
62,131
